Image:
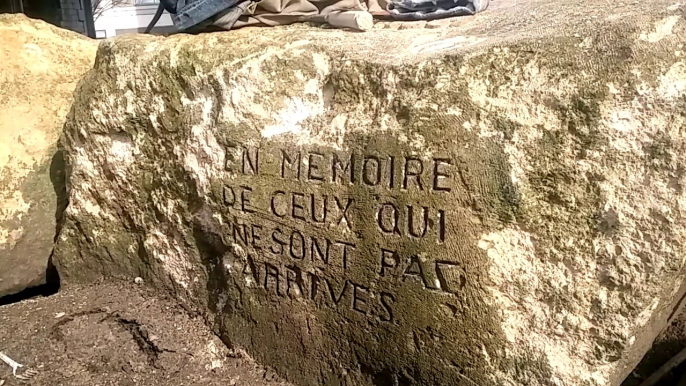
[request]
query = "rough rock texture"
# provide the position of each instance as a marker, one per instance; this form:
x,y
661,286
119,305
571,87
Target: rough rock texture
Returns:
x,y
494,203
40,66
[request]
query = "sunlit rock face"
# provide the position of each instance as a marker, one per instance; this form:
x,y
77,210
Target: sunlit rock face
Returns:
x,y
40,66
497,202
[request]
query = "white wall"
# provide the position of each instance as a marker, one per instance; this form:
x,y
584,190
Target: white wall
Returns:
x,y
128,18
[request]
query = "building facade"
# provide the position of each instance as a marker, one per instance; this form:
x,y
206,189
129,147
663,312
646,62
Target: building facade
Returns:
x,y
69,14
119,17
94,18
73,15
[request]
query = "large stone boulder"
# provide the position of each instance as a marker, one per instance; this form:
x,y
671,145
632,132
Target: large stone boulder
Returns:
x,y
40,66
497,202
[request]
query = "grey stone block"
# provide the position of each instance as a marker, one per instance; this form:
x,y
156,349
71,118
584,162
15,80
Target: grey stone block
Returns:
x,y
72,4
74,25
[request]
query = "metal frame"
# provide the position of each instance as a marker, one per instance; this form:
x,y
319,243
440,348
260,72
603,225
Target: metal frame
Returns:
x,y
90,23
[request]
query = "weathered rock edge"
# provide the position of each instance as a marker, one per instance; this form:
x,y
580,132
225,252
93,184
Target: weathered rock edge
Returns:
x,y
565,212
40,66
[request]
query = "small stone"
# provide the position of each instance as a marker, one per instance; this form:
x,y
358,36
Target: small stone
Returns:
x,y
438,24
394,25
413,24
59,315
138,280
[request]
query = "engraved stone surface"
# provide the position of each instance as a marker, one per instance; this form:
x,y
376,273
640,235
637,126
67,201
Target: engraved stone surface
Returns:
x,y
40,66
494,203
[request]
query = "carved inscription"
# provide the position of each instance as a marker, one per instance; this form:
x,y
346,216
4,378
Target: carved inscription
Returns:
x,y
370,170
286,280
286,225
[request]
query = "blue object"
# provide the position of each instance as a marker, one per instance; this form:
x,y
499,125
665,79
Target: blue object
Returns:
x,y
190,13
434,9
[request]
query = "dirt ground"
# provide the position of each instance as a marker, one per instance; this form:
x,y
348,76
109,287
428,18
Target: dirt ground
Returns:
x,y
119,335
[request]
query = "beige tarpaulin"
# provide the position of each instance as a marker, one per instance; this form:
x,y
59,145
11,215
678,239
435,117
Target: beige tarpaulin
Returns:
x,y
280,12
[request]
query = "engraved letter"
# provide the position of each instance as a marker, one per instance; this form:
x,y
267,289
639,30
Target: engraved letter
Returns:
x,y
389,259
391,172
238,234
251,162
344,211
345,251
251,269
245,200
275,205
413,171
371,170
314,211
316,248
314,286
383,214
229,196
270,270
410,222
256,236
332,293
360,298
290,162
415,269
297,245
279,242
386,300
337,166
294,277
441,225
297,208
314,172
440,175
